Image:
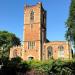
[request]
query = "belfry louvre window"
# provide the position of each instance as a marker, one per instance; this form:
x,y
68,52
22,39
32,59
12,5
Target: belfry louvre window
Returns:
x,y
31,44
32,15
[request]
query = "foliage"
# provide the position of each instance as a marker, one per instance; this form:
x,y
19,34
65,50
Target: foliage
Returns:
x,y
63,67
73,55
7,40
24,67
41,65
16,60
70,24
10,66
52,67
13,66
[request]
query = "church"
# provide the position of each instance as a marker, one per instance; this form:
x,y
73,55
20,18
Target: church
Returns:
x,y
36,46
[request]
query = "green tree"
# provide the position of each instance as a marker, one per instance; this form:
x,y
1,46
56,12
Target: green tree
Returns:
x,y
7,40
70,24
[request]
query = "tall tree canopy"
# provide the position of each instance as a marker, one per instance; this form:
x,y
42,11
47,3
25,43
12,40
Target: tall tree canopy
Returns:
x,y
70,34
7,40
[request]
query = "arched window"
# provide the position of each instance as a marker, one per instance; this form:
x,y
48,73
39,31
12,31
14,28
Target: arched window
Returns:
x,y
15,53
21,52
50,51
61,51
32,15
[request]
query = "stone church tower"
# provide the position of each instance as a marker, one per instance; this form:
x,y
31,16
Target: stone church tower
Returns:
x,y
35,46
34,31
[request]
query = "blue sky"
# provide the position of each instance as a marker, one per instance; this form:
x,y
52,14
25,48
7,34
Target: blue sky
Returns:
x,y
12,12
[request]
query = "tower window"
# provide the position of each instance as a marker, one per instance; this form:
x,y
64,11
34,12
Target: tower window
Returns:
x,y
31,44
32,15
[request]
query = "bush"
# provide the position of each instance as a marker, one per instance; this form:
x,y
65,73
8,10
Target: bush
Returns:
x,y
63,67
44,66
24,67
55,67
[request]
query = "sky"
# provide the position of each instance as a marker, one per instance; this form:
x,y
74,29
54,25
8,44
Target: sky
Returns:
x,y
12,17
